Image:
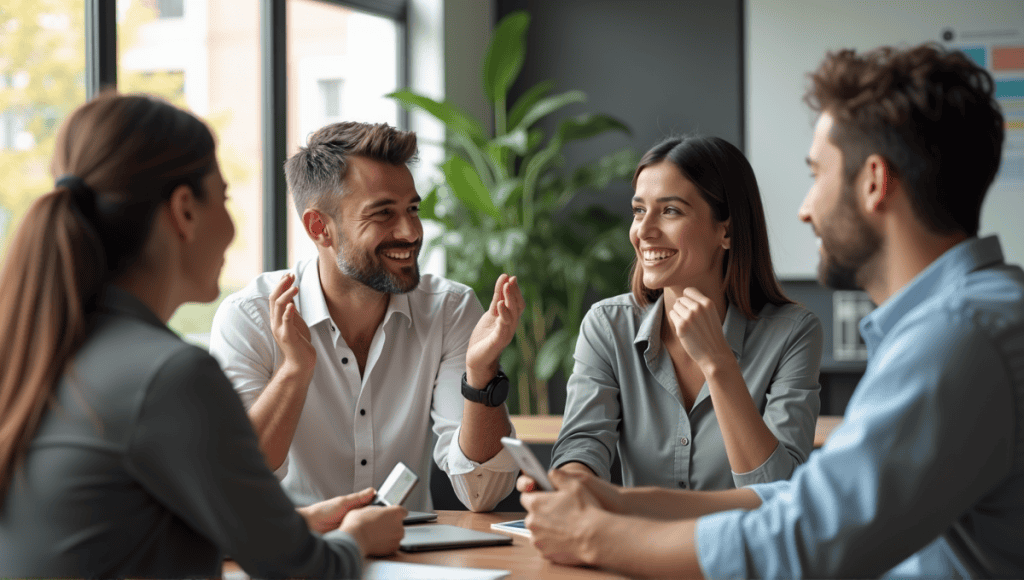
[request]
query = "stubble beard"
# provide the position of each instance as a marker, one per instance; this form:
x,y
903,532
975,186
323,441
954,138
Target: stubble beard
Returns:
x,y
368,269
845,268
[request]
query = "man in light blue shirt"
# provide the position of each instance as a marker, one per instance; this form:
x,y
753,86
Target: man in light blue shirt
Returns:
x,y
925,477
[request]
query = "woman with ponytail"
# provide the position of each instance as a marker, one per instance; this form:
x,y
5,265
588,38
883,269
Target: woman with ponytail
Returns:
x,y
124,450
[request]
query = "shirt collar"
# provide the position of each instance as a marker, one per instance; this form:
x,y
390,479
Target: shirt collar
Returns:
x,y
649,332
312,304
120,301
967,256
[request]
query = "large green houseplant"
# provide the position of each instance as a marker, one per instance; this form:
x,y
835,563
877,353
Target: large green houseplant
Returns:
x,y
503,209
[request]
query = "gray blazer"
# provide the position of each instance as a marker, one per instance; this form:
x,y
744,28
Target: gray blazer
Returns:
x,y
623,393
146,465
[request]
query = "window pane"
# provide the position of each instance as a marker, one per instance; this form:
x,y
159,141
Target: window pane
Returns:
x,y
341,63
42,66
207,61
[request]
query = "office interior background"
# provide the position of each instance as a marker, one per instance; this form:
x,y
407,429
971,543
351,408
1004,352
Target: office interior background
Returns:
x,y
265,73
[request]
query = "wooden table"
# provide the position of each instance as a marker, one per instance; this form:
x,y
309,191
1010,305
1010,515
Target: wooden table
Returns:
x,y
544,429
520,558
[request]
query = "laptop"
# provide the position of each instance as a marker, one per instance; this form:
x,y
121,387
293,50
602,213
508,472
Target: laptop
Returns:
x,y
445,537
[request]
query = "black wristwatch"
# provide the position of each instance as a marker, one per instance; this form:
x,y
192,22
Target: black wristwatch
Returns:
x,y
492,395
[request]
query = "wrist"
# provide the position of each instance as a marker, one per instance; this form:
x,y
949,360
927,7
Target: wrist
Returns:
x,y
718,371
478,377
593,527
354,531
293,371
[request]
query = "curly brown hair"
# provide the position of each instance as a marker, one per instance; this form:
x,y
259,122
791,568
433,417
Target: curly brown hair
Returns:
x,y
929,112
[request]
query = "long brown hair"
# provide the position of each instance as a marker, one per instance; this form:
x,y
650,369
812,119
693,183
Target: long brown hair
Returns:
x,y
126,155
726,182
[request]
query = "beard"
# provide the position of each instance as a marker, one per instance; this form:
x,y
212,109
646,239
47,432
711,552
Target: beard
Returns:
x,y
848,245
368,268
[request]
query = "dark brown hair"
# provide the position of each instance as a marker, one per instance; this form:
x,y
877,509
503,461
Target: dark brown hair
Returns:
x,y
726,182
316,174
929,113
130,152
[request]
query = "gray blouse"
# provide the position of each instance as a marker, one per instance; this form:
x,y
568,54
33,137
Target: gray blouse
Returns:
x,y
623,394
146,465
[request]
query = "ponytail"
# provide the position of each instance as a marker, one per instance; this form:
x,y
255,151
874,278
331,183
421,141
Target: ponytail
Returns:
x,y
51,278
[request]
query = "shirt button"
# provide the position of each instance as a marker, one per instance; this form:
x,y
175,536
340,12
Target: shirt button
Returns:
x,y
684,441
344,360
682,485
363,462
362,411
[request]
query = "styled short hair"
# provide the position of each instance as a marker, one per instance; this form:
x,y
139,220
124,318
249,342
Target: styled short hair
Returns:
x,y
929,112
316,174
726,182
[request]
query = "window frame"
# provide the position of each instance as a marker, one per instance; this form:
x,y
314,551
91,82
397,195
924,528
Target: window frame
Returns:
x,y
101,73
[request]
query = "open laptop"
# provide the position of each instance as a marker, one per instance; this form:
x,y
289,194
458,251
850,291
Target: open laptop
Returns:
x,y
445,537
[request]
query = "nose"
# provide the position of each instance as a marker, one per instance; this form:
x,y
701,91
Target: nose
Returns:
x,y
804,213
409,229
647,228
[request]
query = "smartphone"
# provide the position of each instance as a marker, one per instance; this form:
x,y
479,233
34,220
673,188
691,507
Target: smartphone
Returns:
x,y
528,462
396,487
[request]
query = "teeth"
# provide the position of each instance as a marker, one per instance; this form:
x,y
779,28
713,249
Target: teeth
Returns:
x,y
398,255
654,255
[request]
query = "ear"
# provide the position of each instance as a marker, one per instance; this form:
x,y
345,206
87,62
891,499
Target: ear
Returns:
x,y
181,209
316,226
726,234
878,185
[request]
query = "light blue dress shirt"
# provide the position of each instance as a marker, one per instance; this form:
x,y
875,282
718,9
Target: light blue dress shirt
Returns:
x,y
925,477
623,395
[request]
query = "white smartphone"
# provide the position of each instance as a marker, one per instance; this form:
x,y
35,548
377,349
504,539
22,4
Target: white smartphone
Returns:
x,y
396,487
528,462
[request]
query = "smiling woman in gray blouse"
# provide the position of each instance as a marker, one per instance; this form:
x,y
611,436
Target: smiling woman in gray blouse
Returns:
x,y
705,376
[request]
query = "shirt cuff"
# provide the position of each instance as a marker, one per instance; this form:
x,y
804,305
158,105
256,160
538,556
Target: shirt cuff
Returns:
x,y
718,539
480,486
586,457
779,465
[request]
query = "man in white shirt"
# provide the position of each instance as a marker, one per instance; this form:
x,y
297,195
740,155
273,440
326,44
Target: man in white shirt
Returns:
x,y
345,362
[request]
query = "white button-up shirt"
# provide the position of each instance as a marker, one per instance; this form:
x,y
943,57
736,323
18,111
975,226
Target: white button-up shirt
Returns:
x,y
354,429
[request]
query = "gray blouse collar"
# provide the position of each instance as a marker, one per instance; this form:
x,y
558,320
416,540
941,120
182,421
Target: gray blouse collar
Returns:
x,y
649,332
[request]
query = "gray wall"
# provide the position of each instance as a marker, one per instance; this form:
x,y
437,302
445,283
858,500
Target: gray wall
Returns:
x,y
661,66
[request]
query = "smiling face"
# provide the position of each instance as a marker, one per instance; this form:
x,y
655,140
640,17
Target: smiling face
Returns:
x,y
678,242
380,229
846,242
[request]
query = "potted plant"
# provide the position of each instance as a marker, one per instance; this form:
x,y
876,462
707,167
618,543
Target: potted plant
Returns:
x,y
503,209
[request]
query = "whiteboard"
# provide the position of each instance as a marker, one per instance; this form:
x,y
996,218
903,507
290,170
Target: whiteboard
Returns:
x,y
787,39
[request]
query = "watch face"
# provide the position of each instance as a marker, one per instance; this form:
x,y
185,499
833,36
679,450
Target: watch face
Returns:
x,y
498,391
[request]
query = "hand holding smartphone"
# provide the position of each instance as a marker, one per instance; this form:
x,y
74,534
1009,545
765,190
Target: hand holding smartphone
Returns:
x,y
528,462
396,487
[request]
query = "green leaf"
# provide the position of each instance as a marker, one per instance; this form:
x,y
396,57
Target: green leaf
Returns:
x,y
547,106
587,126
526,102
454,118
507,192
553,352
466,185
515,141
597,175
505,55
428,205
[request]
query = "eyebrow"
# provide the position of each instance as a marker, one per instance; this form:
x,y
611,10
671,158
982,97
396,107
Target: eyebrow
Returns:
x,y
386,202
668,199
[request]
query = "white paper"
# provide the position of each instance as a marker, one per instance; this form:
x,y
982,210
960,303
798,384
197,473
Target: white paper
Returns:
x,y
386,570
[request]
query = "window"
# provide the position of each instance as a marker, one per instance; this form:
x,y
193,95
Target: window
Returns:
x,y
341,64
42,65
170,8
207,61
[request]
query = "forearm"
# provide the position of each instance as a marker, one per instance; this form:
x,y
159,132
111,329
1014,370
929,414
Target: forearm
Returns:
x,y
640,547
275,413
482,430
668,504
482,426
748,441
